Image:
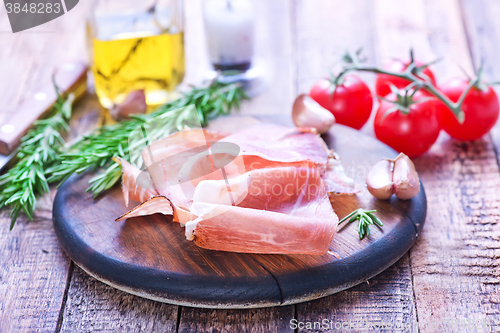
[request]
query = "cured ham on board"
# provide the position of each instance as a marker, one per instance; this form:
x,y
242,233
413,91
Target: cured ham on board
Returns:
x,y
261,190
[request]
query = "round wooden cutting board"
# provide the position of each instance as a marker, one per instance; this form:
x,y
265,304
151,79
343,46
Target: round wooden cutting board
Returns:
x,y
150,257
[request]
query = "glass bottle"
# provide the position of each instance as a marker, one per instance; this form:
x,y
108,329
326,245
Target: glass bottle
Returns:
x,y
136,45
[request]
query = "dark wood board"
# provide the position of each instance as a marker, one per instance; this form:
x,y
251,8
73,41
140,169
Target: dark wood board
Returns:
x,y
150,257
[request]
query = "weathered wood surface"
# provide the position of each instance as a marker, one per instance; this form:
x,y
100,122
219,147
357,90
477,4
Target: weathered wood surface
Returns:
x,y
94,306
350,28
451,274
33,268
453,265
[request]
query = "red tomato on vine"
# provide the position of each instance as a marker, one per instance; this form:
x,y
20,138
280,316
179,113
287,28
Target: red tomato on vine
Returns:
x,y
350,100
480,107
384,81
409,125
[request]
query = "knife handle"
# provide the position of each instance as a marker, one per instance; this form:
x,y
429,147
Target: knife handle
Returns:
x,y
70,78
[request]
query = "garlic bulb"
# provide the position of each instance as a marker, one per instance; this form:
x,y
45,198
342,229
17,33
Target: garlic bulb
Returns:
x,y
397,176
134,103
379,180
405,178
306,112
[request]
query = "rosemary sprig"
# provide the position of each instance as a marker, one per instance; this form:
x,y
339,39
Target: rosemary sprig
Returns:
x,y
365,219
38,150
40,161
97,149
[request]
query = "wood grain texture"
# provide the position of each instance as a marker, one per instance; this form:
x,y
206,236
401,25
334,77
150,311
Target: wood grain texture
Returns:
x,y
93,306
483,31
348,25
33,273
384,303
454,262
28,58
455,270
324,30
433,29
276,319
33,268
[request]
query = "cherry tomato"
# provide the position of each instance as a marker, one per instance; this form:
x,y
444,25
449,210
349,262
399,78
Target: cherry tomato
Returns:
x,y
351,103
480,107
412,133
384,81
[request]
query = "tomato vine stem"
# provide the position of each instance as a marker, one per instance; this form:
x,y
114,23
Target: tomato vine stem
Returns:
x,y
354,64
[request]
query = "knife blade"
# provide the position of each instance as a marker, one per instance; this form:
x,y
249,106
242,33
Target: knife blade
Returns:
x,y
70,77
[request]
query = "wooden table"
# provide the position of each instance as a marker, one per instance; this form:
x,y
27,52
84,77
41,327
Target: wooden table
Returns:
x,y
450,276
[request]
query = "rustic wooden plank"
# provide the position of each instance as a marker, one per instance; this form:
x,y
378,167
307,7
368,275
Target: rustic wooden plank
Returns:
x,y
324,30
29,58
454,262
384,303
483,31
94,306
33,268
348,25
432,28
33,272
263,320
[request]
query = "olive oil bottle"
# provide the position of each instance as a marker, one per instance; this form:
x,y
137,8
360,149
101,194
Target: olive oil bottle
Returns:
x,y
154,64
136,50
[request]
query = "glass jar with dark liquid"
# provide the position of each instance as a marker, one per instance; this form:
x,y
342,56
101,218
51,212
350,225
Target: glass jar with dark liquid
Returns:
x,y
229,28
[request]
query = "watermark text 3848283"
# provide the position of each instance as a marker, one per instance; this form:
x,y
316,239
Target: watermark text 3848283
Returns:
x,y
26,14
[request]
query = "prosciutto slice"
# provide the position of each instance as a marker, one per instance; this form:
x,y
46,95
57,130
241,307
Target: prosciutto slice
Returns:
x,y
136,184
291,214
245,230
276,143
262,190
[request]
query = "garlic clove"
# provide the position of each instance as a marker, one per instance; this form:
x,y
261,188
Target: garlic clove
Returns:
x,y
306,112
134,103
405,178
379,180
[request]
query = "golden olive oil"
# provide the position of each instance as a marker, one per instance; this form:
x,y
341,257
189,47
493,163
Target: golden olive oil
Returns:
x,y
154,64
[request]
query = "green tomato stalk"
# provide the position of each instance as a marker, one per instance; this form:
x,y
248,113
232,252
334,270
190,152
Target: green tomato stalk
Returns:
x,y
353,63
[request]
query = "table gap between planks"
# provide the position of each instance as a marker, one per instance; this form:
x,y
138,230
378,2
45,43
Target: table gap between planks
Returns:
x,y
450,276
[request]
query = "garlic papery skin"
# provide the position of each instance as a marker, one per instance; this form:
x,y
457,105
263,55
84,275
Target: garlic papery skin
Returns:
x,y
306,112
379,180
405,178
134,103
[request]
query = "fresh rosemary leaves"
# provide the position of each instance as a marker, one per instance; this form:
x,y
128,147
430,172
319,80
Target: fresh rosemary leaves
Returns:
x,y
365,218
98,149
42,152
39,149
